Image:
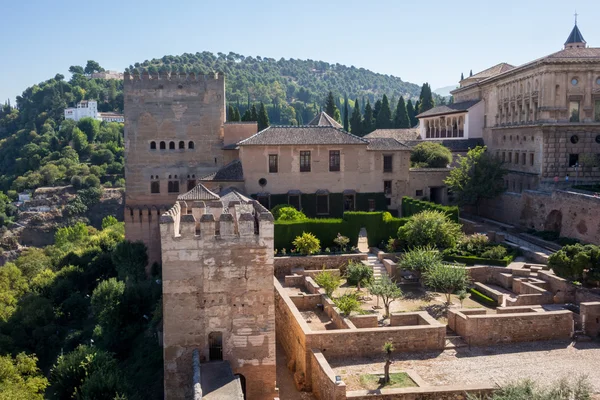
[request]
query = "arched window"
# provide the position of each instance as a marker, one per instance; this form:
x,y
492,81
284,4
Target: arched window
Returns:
x,y
181,145
190,145
152,145
163,145
171,145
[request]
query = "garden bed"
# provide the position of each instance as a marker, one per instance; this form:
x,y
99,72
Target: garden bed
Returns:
x,y
371,381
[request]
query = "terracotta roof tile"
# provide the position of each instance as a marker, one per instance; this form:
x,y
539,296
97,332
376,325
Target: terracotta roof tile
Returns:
x,y
301,135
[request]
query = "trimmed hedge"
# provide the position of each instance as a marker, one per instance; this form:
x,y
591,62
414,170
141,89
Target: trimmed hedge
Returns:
x,y
380,226
412,206
472,260
482,298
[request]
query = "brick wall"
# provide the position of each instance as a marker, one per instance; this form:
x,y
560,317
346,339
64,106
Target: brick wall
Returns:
x,y
323,379
283,265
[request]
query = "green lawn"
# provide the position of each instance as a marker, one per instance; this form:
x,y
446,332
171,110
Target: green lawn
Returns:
x,y
397,380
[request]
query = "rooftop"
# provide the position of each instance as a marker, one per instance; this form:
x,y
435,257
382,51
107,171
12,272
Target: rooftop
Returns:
x,y
386,144
449,108
230,172
398,134
575,36
199,193
323,119
302,135
458,145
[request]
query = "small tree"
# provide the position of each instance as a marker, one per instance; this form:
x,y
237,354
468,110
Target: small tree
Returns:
x,y
341,241
462,296
347,303
307,243
358,274
430,228
387,290
420,259
430,155
388,348
328,282
447,278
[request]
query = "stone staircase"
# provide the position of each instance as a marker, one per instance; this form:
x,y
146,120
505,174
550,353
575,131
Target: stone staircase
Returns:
x,y
453,341
379,270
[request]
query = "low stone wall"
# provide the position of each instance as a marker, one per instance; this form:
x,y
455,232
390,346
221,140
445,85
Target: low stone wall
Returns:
x,y
583,295
410,319
294,280
590,315
306,302
283,265
314,272
365,321
490,329
482,273
518,309
391,267
455,392
488,291
323,379
529,293
564,291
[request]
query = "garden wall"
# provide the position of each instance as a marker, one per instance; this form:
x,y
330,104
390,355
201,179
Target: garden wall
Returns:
x,y
590,314
454,392
323,379
490,329
283,265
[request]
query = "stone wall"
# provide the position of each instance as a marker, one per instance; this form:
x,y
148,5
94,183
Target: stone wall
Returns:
x,y
455,392
323,378
284,265
365,321
590,315
490,329
218,284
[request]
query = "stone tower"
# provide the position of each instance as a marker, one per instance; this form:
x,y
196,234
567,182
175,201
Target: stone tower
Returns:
x,y
173,135
218,293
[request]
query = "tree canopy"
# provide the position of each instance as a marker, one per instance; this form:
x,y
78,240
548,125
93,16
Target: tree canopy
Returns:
x,y
430,155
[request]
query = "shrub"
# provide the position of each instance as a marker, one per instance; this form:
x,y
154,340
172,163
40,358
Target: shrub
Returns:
x,y
341,241
328,282
571,261
430,155
563,389
495,252
358,274
91,181
307,243
473,244
421,258
109,221
412,206
482,298
347,303
290,214
76,181
275,210
432,228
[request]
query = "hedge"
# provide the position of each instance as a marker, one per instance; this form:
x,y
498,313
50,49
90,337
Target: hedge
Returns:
x,y
380,226
472,260
412,206
482,298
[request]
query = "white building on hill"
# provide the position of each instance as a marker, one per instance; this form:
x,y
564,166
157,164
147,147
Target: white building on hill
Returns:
x,y
89,108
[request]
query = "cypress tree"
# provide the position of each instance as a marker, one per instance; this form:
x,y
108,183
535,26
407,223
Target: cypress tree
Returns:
x,y
368,121
410,110
346,122
451,100
384,116
263,118
376,109
230,113
401,119
471,73
462,77
425,99
330,106
254,113
356,120
236,114
247,116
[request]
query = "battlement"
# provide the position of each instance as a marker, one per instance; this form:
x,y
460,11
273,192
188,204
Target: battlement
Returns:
x,y
170,78
212,221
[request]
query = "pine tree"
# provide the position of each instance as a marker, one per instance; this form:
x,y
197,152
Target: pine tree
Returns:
x,y
462,77
263,118
376,109
410,110
401,119
425,99
384,116
356,120
254,113
330,106
346,122
230,113
368,121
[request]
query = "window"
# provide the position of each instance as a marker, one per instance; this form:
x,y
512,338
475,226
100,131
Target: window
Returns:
x,y
163,145
173,186
419,193
509,157
531,159
305,161
171,145
503,156
523,158
387,163
574,111
264,200
322,204
349,202
190,145
294,200
215,346
273,163
574,139
597,111
152,145
574,81
573,160
517,158
387,187
371,204
155,187
334,160
181,145
191,183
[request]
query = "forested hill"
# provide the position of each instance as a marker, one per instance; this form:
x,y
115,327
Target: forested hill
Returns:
x,y
262,79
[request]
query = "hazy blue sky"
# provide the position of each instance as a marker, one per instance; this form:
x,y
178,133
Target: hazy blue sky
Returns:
x,y
417,40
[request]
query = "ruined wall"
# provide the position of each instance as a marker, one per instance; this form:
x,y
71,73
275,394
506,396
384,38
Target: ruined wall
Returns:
x,y
572,214
218,282
185,114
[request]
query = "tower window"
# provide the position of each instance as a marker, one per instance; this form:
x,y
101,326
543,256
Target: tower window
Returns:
x,y
163,145
173,186
190,145
171,145
152,145
181,145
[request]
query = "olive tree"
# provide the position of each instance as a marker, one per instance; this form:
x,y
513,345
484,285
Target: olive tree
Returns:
x,y
447,278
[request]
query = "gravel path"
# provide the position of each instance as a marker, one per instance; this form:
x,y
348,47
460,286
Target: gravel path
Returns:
x,y
543,362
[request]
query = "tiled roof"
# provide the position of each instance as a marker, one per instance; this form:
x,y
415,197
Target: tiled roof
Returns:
x,y
323,119
457,145
492,71
449,108
575,36
385,144
231,194
398,134
232,146
199,193
576,52
301,135
230,172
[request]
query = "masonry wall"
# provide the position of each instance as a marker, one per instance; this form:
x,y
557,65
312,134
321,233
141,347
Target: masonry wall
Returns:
x,y
323,378
237,131
590,313
284,265
220,284
426,178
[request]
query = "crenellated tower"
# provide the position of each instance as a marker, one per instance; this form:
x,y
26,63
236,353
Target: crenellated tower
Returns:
x,y
218,294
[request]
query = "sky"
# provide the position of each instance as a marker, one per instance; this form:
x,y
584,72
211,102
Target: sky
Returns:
x,y
419,41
